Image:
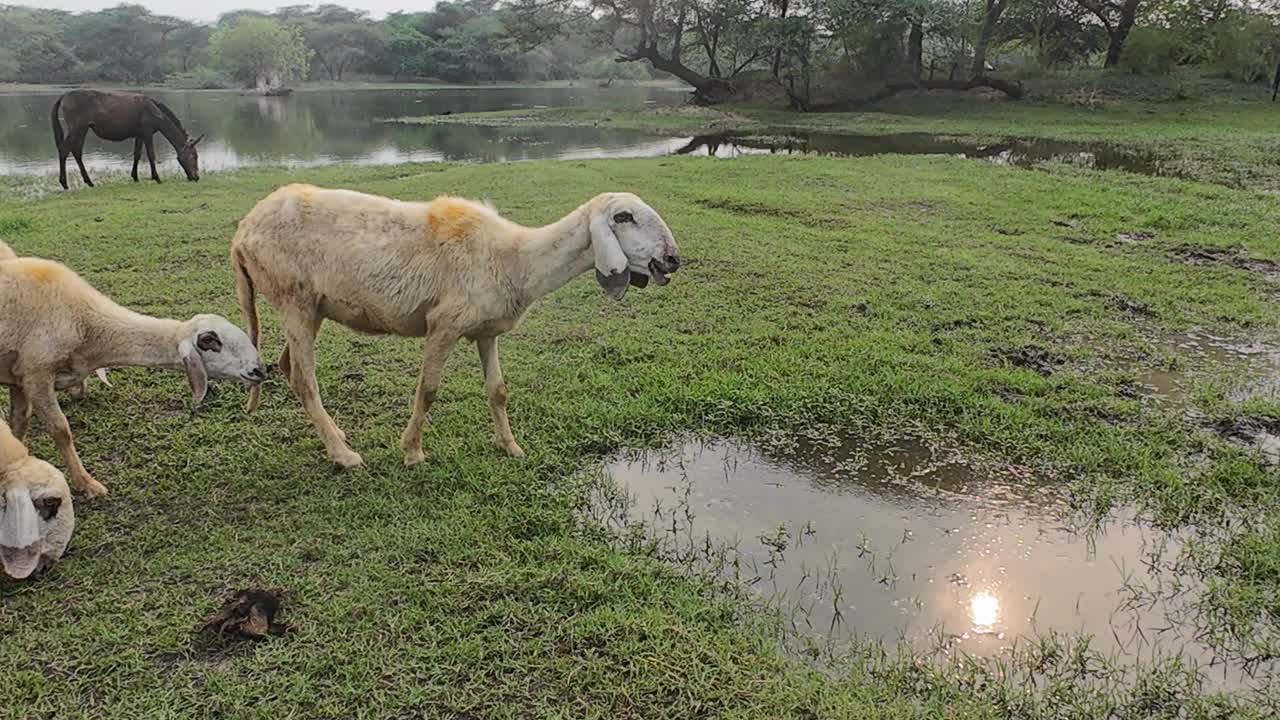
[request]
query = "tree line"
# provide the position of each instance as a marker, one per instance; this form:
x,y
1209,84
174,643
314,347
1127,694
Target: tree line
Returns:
x,y
843,50
807,51
465,41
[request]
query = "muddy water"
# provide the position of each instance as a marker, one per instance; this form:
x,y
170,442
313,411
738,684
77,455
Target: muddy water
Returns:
x,y
914,544
1015,152
1250,369
1252,365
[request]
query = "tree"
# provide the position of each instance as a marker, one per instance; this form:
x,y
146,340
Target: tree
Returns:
x,y
260,51
407,52
1056,32
189,46
1118,18
340,39
654,31
986,30
479,48
125,42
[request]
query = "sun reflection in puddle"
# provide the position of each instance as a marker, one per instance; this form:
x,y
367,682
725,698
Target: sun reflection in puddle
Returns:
x,y
909,542
984,611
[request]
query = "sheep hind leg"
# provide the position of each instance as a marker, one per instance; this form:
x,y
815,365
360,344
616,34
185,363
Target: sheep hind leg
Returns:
x,y
300,330
496,388
19,412
435,352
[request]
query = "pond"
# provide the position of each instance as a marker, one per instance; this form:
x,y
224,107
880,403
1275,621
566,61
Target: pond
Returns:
x,y
1012,152
907,542
317,127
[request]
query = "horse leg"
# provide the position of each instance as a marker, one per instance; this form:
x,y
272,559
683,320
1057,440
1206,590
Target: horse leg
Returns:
x,y
76,141
64,149
137,155
151,158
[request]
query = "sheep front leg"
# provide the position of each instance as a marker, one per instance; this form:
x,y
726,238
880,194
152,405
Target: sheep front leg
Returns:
x,y
44,400
496,388
435,352
19,412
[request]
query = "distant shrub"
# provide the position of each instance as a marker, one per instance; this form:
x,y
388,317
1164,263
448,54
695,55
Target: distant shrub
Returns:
x,y
1152,51
200,78
1244,47
1184,84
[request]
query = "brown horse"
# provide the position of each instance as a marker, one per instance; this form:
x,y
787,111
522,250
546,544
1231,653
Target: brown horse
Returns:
x,y
119,116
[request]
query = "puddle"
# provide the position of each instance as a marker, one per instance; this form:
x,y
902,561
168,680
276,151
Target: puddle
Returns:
x,y
913,544
1253,366
1016,152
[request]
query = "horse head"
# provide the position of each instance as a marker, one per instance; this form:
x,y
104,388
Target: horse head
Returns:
x,y
189,158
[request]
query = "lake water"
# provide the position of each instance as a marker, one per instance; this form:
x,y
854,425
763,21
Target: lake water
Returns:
x,y
336,126
321,127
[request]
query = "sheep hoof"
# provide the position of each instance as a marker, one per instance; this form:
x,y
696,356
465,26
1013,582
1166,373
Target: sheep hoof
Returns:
x,y
347,458
413,457
509,447
90,487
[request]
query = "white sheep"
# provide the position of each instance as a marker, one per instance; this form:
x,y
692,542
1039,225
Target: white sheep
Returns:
x,y
56,330
36,515
443,270
78,391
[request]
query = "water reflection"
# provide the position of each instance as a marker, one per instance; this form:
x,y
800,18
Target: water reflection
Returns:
x,y
984,611
1014,152
321,127
908,542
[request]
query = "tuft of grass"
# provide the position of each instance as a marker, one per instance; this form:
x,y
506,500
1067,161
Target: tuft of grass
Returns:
x,y
895,292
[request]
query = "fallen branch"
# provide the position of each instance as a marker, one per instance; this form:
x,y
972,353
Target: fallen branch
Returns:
x,y
1014,90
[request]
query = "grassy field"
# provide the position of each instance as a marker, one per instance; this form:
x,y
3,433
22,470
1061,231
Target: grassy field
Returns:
x,y
1213,131
886,293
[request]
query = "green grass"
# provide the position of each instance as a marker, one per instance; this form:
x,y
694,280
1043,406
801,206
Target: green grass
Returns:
x,y
879,291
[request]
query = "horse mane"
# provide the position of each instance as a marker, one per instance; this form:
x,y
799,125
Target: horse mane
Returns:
x,y
169,113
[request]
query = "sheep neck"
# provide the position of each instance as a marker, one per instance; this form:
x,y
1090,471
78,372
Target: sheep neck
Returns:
x,y
130,339
11,450
557,253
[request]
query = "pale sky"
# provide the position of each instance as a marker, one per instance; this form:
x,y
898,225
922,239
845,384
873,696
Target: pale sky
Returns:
x,y
209,10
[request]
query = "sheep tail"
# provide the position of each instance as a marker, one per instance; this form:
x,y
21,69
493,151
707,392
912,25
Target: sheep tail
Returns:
x,y
6,252
249,310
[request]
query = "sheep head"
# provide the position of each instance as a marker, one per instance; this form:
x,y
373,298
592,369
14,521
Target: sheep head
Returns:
x,y
212,348
631,242
36,516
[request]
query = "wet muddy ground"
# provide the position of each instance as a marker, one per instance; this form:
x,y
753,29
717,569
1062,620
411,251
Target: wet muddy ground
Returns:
x,y
907,542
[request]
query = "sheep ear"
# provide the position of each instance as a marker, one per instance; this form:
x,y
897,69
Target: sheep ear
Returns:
x,y
18,528
196,375
611,262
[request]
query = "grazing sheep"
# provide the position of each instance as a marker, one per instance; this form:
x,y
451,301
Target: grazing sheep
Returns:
x,y
56,329
442,270
36,515
78,391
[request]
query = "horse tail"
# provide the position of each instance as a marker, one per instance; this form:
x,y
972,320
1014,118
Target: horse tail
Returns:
x,y
58,135
249,309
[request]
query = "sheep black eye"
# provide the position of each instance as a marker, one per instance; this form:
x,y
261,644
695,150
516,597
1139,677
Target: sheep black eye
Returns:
x,y
623,217
48,507
209,342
